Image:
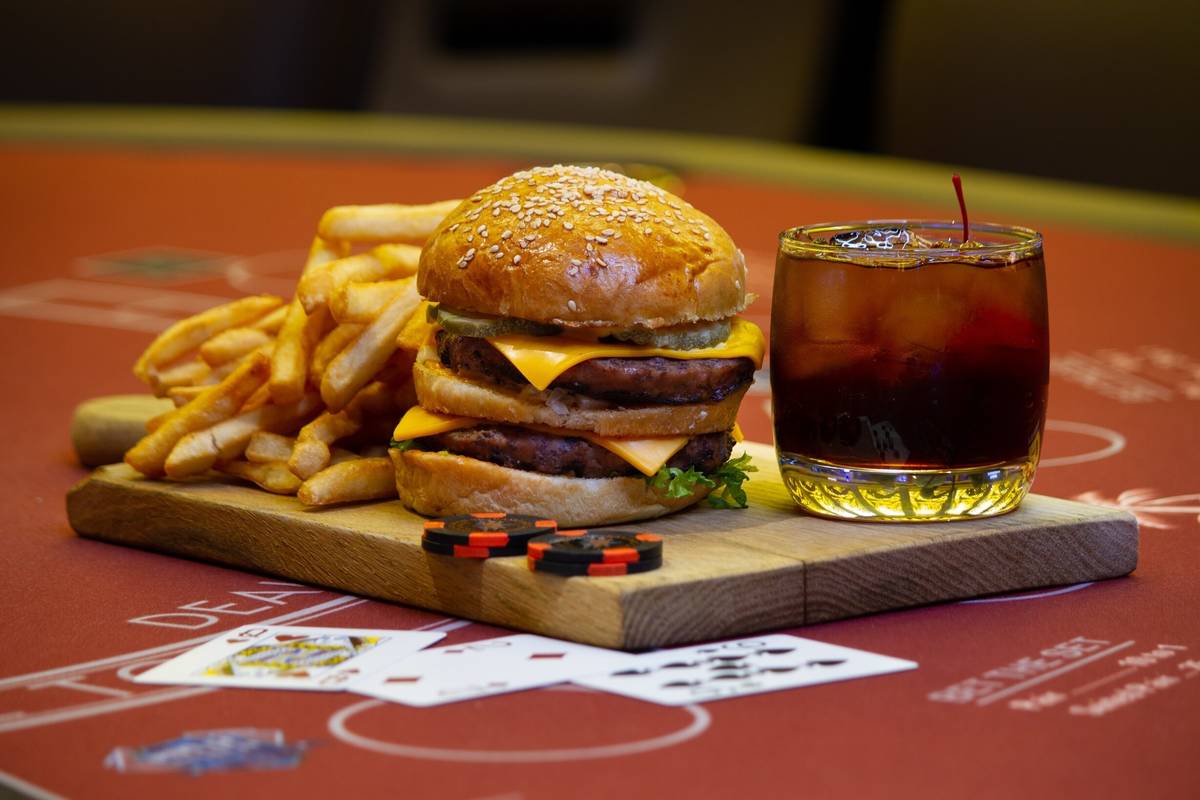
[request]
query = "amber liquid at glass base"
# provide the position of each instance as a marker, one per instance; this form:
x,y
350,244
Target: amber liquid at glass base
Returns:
x,y
910,393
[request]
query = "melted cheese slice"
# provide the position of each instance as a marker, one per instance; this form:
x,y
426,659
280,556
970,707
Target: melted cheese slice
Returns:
x,y
646,455
541,359
417,422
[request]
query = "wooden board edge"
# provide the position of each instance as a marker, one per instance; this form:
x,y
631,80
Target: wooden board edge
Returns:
x,y
735,605
1105,545
484,592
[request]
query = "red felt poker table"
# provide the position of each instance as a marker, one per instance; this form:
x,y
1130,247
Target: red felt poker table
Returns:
x,y
118,221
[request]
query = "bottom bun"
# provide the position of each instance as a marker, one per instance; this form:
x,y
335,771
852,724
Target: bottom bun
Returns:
x,y
440,484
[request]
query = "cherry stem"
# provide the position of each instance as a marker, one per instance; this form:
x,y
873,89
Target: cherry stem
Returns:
x,y
962,206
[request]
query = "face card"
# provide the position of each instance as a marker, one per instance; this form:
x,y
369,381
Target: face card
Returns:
x,y
738,668
282,657
484,668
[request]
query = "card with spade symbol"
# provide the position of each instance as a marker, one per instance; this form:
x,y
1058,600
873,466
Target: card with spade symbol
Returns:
x,y
484,668
739,667
289,657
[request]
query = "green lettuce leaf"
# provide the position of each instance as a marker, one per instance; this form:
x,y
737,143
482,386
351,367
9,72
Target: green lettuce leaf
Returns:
x,y
725,484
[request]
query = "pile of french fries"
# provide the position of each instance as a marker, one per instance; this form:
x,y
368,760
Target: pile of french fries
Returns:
x,y
300,396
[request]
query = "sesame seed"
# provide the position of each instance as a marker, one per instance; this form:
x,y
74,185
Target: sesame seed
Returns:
x,y
707,235
453,227
569,226
494,248
647,231
601,240
517,259
469,254
506,235
608,231
573,271
571,305
575,262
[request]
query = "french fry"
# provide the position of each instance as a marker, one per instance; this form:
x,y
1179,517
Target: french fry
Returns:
x,y
156,421
363,302
261,396
355,366
182,395
349,482
274,476
199,450
318,286
327,349
190,333
272,322
219,374
212,406
298,335
265,447
311,452
384,223
399,260
416,331
293,349
231,344
188,372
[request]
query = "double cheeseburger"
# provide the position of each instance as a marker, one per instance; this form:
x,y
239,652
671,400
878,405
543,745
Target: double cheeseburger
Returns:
x,y
585,362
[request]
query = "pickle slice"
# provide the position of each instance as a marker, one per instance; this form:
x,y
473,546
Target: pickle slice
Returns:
x,y
678,337
482,327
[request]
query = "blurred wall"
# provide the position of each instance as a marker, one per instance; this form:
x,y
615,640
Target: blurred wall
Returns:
x,y
1092,90
757,70
1101,91
275,53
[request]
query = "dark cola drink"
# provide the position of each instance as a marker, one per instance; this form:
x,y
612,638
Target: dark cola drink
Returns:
x,y
909,370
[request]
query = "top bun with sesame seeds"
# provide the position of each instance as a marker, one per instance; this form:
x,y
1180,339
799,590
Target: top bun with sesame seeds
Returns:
x,y
582,247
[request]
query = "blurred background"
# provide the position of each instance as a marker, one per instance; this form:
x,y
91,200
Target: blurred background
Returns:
x,y
1102,91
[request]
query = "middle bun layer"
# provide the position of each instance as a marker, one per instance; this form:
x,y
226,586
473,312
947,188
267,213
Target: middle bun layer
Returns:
x,y
440,389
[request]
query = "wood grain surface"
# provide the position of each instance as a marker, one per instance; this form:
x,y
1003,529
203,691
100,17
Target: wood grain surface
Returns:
x,y
725,573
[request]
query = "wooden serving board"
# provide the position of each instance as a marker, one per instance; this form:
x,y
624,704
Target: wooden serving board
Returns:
x,y
725,573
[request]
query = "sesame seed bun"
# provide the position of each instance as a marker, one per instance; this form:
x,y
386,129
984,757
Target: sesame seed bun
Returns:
x,y
583,247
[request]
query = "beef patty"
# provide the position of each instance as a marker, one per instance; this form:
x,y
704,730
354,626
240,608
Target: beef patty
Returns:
x,y
522,448
666,381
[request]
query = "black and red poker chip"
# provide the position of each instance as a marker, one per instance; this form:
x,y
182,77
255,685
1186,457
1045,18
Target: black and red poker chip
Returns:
x,y
596,547
489,534
483,534
593,570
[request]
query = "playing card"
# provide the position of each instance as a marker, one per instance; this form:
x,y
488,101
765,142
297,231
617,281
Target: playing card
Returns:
x,y
281,657
737,668
479,669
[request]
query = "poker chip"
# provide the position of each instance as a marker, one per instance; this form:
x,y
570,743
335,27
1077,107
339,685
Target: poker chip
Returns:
x,y
491,529
596,547
593,570
470,551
